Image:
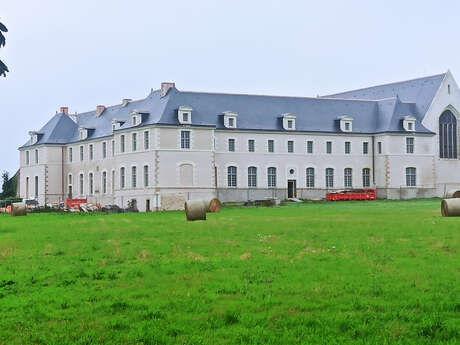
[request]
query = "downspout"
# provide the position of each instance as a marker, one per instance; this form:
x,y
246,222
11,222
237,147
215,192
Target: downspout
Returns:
x,y
62,173
373,160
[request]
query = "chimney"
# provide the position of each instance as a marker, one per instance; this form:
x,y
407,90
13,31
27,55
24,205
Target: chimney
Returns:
x,y
165,87
125,102
65,110
100,109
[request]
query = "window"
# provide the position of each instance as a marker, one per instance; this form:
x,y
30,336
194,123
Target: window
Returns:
x,y
252,177
122,143
146,175
113,148
410,126
91,184
184,114
81,153
365,148
379,146
231,176
231,145
290,146
81,184
134,120
448,89
104,150
36,156
185,139
329,147
231,122
27,158
409,145
122,177
366,177
70,155
91,152
309,146
185,117
134,141
347,178
271,177
104,182
290,124
411,178
36,187
310,177
113,181
329,178
146,140
133,177
271,145
70,178
347,126
347,147
251,145
447,135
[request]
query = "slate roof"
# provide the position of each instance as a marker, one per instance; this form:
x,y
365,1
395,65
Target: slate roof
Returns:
x,y
374,110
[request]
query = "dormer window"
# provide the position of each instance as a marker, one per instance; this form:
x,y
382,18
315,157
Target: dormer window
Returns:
x,y
138,117
289,122
409,123
83,133
184,115
116,124
346,124
34,136
230,119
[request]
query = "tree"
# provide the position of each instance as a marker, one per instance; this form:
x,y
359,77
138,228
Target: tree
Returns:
x,y
9,186
3,68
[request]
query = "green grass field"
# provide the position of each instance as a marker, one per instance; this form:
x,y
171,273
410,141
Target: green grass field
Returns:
x,y
385,272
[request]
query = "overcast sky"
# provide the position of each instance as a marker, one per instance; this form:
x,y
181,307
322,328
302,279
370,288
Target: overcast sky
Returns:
x,y
87,52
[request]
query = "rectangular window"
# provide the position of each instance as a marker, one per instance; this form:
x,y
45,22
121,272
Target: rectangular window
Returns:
x,y
122,177
91,184
252,177
231,145
365,148
271,177
122,143
185,117
347,147
36,156
113,181
185,139
70,155
146,140
113,148
251,145
81,184
409,145
329,178
104,149
81,153
379,147
366,177
231,176
91,152
271,145
27,158
310,177
231,122
347,178
328,147
146,175
36,187
411,177
309,146
133,177
347,126
290,146
290,124
104,182
134,141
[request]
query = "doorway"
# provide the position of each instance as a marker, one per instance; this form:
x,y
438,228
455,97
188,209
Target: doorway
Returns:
x,y
292,188
147,205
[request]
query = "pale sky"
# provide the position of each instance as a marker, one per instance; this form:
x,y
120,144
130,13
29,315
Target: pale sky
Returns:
x,y
84,53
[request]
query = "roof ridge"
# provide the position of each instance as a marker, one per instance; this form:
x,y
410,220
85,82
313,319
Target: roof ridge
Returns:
x,y
386,84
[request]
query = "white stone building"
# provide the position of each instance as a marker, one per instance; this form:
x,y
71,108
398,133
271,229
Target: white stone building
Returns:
x,y
400,138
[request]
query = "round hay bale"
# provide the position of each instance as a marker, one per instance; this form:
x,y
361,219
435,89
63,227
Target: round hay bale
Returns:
x,y
195,210
453,194
18,209
450,207
214,205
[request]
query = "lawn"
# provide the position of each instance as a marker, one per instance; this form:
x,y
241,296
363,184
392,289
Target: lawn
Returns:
x,y
384,272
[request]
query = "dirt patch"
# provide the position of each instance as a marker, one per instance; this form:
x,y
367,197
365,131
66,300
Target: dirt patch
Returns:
x,y
143,255
245,256
196,257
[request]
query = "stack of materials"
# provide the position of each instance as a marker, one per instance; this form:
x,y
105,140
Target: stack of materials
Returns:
x,y
451,207
197,209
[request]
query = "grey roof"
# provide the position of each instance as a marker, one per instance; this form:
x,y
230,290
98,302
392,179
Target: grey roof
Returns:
x,y
374,110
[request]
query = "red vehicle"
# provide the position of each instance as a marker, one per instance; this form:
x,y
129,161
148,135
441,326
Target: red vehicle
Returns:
x,y
75,203
352,194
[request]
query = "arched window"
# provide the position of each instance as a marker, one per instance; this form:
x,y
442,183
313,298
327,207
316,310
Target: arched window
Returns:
x,y
91,184
231,176
310,177
329,178
347,178
366,177
81,184
271,177
447,135
104,182
252,177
